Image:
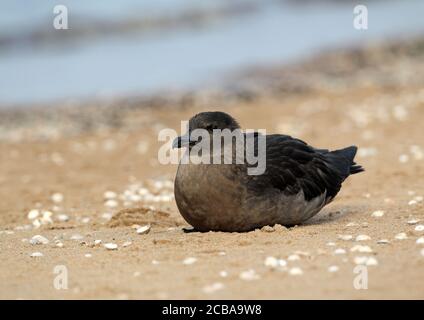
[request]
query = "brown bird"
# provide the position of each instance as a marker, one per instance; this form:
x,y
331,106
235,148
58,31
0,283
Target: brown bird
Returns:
x,y
298,181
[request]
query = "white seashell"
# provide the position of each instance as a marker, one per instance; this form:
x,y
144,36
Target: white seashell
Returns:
x,y
368,261
109,195
420,240
271,262
36,254
363,237
378,213
359,248
59,244
88,255
383,241
403,158
189,260
107,216
213,287
111,246
33,214
85,220
57,197
223,274
62,217
111,203
351,224
372,261
401,236
76,237
412,202
295,271
293,257
413,221
339,251
38,239
249,275
144,229
126,244
333,268
331,244
419,228
97,242
345,237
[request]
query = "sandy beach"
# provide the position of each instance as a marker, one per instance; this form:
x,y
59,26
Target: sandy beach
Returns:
x,y
67,171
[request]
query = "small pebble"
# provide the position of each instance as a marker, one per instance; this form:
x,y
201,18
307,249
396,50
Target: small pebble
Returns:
x,y
97,242
420,240
59,244
88,255
189,260
378,214
331,244
111,246
267,229
412,202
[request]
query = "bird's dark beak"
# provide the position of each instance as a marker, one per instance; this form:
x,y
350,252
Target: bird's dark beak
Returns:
x,y
182,141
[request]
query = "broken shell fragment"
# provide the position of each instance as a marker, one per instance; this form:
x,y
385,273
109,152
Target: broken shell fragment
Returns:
x,y
144,229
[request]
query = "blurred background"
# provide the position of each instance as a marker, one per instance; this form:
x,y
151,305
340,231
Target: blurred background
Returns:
x,y
142,47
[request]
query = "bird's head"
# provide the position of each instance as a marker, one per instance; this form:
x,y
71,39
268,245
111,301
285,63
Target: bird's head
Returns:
x,y
208,121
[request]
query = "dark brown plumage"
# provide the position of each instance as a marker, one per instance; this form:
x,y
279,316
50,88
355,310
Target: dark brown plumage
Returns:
x,y
298,181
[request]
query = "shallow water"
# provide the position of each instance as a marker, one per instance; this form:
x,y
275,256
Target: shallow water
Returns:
x,y
183,58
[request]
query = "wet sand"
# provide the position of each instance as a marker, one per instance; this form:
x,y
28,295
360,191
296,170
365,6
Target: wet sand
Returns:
x,y
373,98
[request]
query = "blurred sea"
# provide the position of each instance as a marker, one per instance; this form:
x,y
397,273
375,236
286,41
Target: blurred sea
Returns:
x,y
137,47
